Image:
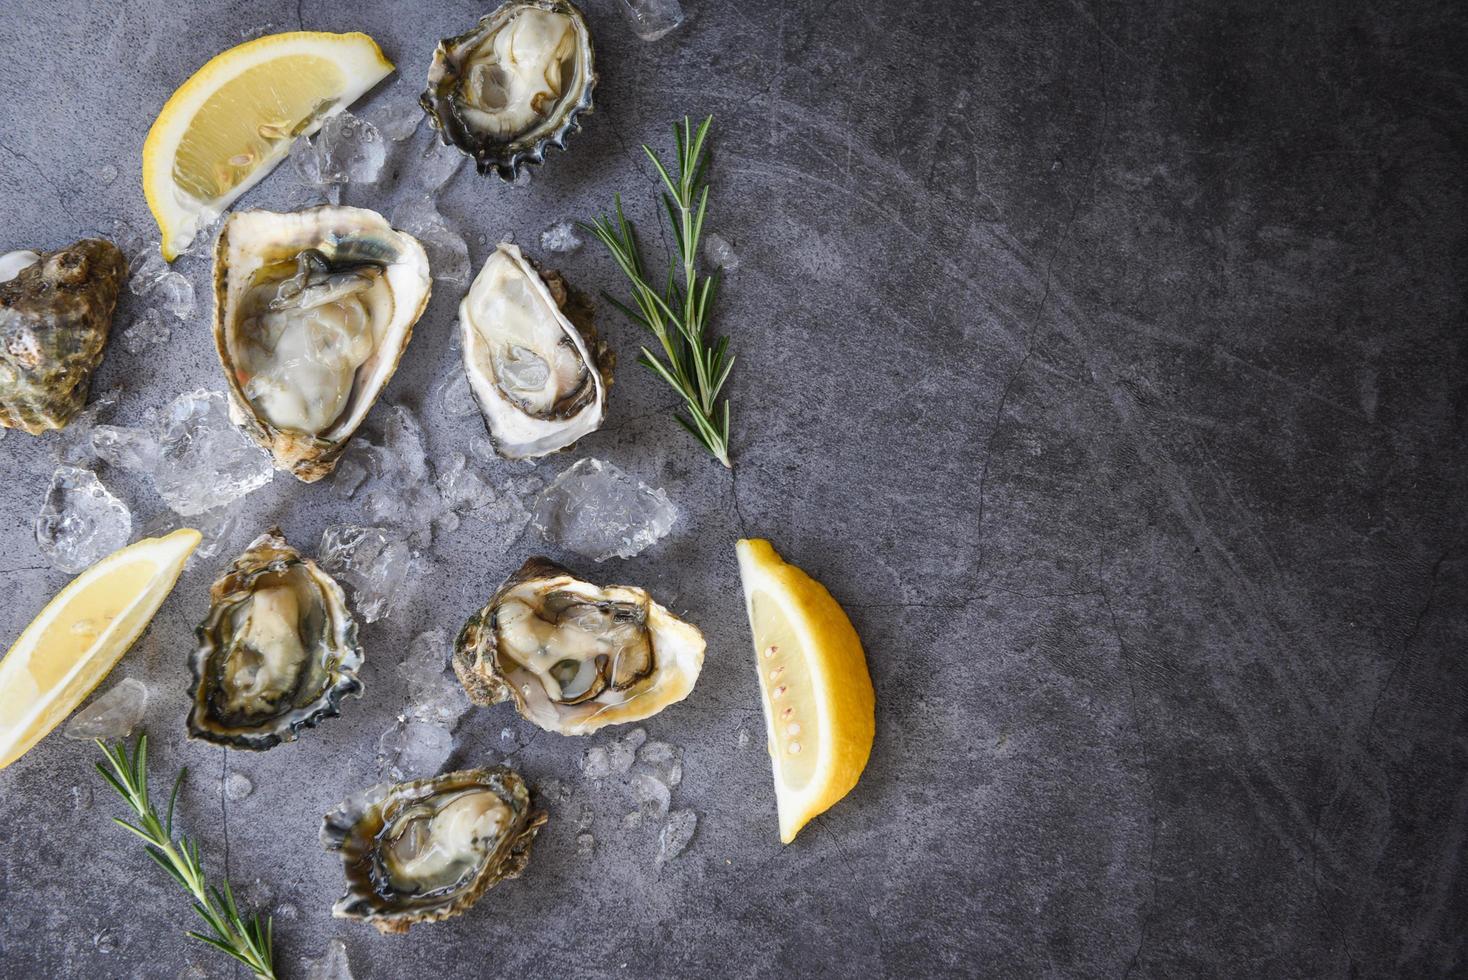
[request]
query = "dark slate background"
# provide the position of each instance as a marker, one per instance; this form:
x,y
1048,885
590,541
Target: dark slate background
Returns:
x,y
1107,362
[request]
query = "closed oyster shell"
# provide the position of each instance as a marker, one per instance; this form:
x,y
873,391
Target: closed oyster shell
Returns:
x,y
514,85
426,850
277,653
55,315
282,282
602,655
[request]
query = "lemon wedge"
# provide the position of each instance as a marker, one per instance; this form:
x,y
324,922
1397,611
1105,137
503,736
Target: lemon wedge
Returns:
x,y
80,636
820,709
235,119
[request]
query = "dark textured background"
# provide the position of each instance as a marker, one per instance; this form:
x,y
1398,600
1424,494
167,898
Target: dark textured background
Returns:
x,y
1106,360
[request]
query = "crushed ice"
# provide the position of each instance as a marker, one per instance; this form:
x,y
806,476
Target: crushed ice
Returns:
x,y
112,715
597,510
376,563
198,460
651,19
81,521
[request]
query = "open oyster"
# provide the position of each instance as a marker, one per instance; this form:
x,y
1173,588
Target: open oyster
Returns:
x,y
55,314
277,653
573,656
426,850
532,356
513,85
312,312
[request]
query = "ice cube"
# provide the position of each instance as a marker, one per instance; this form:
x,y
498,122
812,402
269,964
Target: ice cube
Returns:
x,y
461,487
448,255
454,396
349,150
80,521
434,695
176,295
376,563
560,237
216,526
652,794
127,448
596,763
348,476
437,164
719,253
204,461
113,715
331,965
596,510
74,443
664,761
585,845
146,269
651,19
237,786
622,752
414,749
676,834
401,119
146,332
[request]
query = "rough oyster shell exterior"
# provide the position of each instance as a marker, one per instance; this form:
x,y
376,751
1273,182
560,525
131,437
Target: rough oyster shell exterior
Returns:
x,y
55,316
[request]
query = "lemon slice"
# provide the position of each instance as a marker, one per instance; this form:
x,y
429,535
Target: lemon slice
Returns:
x,y
820,709
235,119
80,636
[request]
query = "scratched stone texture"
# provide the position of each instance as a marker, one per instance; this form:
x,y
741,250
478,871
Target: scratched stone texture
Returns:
x,y
1106,360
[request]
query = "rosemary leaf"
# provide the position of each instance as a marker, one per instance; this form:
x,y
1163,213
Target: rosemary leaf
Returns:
x,y
691,362
248,942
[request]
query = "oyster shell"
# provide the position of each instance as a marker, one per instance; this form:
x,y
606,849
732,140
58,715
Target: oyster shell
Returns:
x,y
55,314
426,850
514,85
312,312
277,653
573,656
533,359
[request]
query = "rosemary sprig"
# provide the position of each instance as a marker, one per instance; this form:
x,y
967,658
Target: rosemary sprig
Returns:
x,y
692,362
248,941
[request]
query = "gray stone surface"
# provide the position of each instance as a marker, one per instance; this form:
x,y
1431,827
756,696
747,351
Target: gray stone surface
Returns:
x,y
1105,360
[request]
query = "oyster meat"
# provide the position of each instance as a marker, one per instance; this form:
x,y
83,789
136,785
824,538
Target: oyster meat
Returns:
x,y
426,850
55,314
312,313
277,653
573,656
513,85
532,357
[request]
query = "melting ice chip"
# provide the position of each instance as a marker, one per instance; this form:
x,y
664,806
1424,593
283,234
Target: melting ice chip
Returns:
x,y
81,521
651,19
113,715
598,511
676,834
376,563
198,460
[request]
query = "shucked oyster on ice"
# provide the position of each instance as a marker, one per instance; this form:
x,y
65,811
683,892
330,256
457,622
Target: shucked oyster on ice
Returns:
x,y
312,313
573,656
513,85
277,653
427,850
55,314
532,356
